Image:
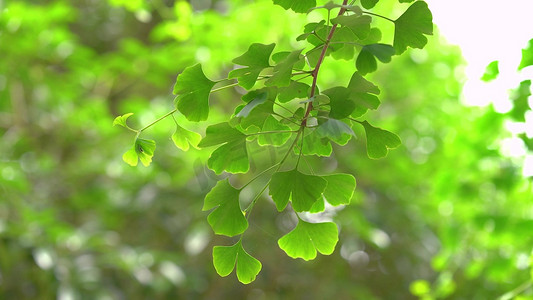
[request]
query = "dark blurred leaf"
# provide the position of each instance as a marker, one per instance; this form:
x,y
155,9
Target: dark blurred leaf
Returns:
x,y
411,26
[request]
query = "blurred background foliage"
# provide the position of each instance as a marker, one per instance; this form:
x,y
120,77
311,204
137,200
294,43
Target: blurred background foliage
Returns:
x,y
445,216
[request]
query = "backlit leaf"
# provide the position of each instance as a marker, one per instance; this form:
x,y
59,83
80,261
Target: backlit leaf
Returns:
x,y
303,190
358,24
366,61
232,156
335,130
411,26
259,98
340,188
142,150
274,139
121,120
255,59
313,144
226,257
296,90
227,218
183,137
491,71
299,6
379,141
192,89
308,238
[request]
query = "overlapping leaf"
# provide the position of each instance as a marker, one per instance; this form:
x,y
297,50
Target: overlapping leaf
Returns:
x,y
121,120
303,190
274,139
366,60
307,238
358,24
182,138
336,131
283,70
142,150
411,27
192,89
314,144
340,188
232,156
379,141
225,258
227,217
255,60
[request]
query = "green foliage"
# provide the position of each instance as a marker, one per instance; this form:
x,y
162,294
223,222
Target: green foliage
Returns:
x,y
227,218
255,59
491,72
226,258
308,238
192,89
182,138
411,26
301,189
142,150
527,56
379,141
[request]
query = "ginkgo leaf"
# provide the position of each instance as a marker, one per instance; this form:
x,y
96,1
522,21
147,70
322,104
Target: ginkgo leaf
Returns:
x,y
335,130
491,71
299,6
142,150
274,139
308,238
259,98
340,188
121,120
296,90
379,141
527,56
303,190
411,26
283,70
366,60
314,144
182,138
227,217
255,60
358,24
232,156
192,89
226,257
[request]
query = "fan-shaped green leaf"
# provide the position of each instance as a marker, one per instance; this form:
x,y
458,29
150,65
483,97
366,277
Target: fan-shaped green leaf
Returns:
x,y
283,70
232,156
227,218
299,6
358,24
121,120
308,238
226,257
411,26
255,60
366,60
378,141
192,89
527,56
183,137
274,139
303,190
340,188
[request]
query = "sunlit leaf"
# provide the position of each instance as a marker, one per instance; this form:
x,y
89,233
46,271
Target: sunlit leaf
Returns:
x,y
307,238
182,138
259,98
283,70
192,89
226,257
379,141
299,6
303,190
121,120
227,217
142,150
340,188
314,144
232,156
255,59
527,56
411,26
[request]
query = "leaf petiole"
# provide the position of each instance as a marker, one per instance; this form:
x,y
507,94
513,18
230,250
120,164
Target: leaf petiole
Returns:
x,y
159,119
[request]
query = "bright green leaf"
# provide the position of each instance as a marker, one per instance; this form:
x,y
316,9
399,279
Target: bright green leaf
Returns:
x,y
303,190
183,137
366,63
283,70
274,139
121,120
314,144
340,103
232,156
491,72
527,56
340,188
227,218
255,59
299,6
142,150
260,98
226,257
358,24
192,89
378,141
411,26
308,238
220,133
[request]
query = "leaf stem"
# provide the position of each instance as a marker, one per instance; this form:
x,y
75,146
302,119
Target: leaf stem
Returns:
x,y
272,132
319,63
224,87
378,15
258,175
161,118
